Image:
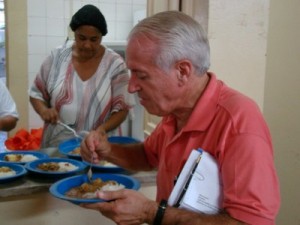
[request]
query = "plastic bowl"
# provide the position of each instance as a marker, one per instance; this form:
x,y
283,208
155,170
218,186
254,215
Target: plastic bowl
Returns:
x,y
59,188
32,167
19,169
37,154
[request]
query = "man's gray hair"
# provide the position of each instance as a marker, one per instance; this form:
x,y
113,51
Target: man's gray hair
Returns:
x,y
178,37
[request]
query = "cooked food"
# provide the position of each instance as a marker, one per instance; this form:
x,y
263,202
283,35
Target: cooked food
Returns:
x,y
6,171
57,166
28,158
13,157
89,190
106,163
76,151
19,157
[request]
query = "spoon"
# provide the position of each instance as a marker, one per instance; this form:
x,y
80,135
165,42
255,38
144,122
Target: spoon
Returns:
x,y
69,128
90,172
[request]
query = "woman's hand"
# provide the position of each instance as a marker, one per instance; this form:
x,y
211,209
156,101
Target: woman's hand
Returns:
x,y
95,143
125,207
49,115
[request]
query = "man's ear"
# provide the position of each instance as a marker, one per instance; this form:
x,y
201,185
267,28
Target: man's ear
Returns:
x,y
184,68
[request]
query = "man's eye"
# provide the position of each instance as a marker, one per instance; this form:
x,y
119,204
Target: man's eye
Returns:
x,y
141,76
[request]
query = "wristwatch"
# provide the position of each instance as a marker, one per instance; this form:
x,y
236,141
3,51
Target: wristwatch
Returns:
x,y
160,212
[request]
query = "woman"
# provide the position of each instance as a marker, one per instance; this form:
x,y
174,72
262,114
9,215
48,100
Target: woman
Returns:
x,y
82,84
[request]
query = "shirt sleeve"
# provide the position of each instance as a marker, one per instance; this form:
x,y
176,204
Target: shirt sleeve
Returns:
x,y
38,89
122,99
7,104
247,162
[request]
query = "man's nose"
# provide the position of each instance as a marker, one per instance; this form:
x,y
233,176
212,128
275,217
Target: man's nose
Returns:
x,y
132,84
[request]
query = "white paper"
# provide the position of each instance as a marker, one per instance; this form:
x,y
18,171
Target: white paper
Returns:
x,y
204,193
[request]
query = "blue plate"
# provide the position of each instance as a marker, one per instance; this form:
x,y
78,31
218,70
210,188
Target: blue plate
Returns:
x,y
32,167
66,147
59,188
114,168
122,140
39,155
105,168
19,169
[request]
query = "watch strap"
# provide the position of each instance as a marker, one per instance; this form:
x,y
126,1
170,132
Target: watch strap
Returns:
x,y
160,212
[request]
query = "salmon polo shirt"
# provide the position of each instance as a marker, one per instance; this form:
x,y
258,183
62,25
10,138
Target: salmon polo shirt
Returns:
x,y
230,127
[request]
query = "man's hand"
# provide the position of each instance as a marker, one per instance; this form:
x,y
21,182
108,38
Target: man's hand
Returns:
x,y
95,143
126,207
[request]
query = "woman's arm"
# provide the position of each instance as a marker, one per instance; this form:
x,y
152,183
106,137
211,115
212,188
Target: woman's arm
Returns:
x,y
114,121
48,115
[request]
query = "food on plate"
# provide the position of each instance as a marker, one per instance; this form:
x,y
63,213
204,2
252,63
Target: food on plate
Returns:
x,y
6,171
76,151
57,166
19,157
106,163
89,190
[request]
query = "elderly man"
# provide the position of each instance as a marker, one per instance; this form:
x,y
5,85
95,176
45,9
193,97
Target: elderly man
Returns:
x,y
168,56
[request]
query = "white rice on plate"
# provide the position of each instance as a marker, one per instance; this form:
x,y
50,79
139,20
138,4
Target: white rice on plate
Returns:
x,y
28,158
6,172
106,187
66,167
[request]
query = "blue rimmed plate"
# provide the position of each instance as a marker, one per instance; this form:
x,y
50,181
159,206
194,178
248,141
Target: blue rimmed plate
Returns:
x,y
76,166
122,140
28,156
108,167
66,148
105,167
59,188
19,170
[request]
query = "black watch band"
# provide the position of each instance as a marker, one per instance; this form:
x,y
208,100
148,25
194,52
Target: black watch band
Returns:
x,y
160,212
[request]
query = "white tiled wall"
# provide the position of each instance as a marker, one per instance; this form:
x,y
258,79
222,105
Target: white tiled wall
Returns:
x,y
48,27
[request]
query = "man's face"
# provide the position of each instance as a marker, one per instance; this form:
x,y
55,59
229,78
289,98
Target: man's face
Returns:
x,y
88,39
156,89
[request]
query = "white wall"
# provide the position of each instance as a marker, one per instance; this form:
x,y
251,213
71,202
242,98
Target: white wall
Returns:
x,y
282,102
48,27
237,32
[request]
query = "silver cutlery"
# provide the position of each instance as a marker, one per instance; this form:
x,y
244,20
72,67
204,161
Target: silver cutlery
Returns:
x,y
69,128
90,172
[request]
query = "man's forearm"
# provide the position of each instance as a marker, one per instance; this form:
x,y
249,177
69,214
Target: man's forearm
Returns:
x,y
175,216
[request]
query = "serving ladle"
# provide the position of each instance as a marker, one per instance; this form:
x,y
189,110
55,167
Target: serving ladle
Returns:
x,y
69,128
89,172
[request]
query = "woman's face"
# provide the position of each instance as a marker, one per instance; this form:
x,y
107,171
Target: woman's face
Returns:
x,y
87,41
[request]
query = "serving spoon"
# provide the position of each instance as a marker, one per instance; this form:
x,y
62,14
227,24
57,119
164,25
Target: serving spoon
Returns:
x,y
69,128
89,172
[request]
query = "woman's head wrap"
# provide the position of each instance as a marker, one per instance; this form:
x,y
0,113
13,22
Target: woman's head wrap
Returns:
x,y
89,15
